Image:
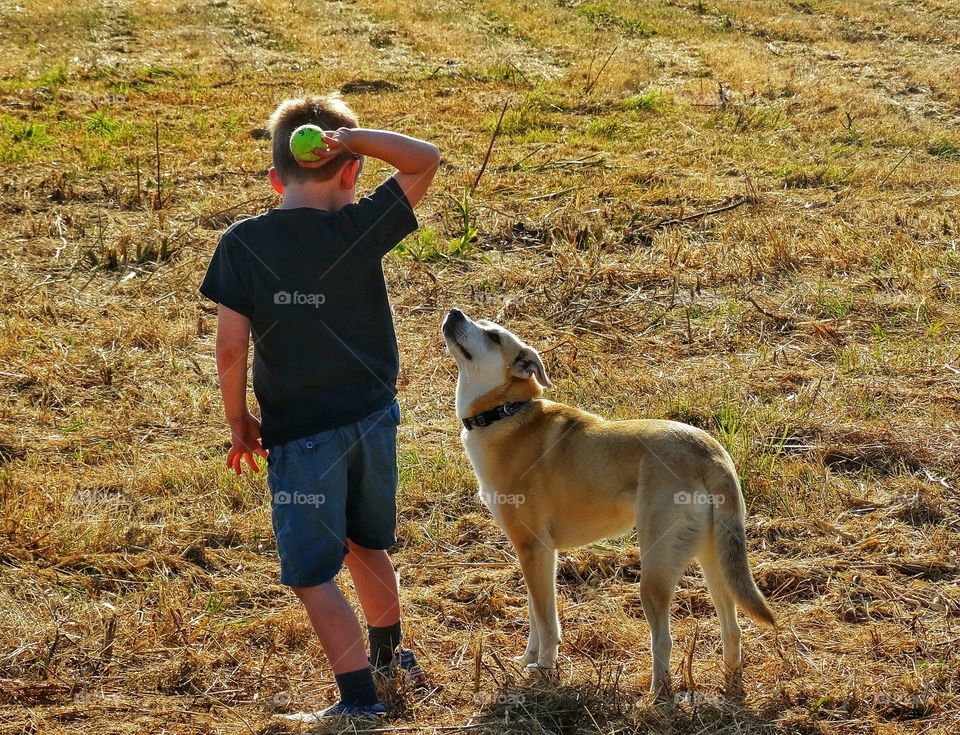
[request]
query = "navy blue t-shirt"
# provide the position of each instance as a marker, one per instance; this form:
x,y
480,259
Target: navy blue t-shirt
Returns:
x,y
311,284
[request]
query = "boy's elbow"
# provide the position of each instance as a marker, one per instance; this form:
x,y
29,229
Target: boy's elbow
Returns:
x,y
433,157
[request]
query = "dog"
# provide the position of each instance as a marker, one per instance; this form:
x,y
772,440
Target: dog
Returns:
x,y
555,477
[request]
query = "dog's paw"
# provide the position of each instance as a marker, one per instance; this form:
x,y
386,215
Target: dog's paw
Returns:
x,y
662,691
547,673
733,684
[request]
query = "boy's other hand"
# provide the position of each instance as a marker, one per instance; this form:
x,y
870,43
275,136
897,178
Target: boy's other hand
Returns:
x,y
245,443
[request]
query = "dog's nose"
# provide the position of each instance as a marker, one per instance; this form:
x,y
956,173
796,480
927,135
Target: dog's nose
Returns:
x,y
450,322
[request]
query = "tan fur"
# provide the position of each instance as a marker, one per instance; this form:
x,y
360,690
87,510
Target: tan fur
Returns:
x,y
556,477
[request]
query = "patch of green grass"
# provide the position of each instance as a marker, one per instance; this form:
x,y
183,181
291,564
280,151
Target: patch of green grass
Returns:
x,y
522,122
647,102
799,177
427,245
103,126
603,16
53,77
22,141
944,147
604,128
142,79
837,306
499,25
423,245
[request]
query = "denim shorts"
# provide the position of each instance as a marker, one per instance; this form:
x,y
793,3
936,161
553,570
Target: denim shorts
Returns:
x,y
332,486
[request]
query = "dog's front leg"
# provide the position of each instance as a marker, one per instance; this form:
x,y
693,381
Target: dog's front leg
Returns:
x,y
532,654
539,566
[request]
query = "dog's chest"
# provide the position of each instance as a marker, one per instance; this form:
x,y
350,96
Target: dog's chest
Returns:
x,y
484,463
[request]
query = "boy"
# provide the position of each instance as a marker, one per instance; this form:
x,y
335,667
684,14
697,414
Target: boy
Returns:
x,y
306,279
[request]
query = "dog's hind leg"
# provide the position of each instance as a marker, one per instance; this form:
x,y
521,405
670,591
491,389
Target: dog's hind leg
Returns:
x,y
730,631
666,549
539,566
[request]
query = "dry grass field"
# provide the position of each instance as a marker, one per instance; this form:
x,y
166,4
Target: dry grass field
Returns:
x,y
738,214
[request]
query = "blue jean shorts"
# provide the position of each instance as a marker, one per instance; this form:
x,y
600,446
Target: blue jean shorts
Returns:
x,y
332,486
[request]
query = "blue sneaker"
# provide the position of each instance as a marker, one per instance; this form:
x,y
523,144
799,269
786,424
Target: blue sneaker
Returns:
x,y
354,710
340,712
406,662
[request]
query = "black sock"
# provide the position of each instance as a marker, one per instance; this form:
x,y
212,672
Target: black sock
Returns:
x,y
383,643
357,687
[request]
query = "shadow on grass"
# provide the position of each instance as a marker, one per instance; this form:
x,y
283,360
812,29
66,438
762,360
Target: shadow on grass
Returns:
x,y
540,708
537,707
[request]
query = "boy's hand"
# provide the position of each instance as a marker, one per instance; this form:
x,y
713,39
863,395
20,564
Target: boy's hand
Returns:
x,y
245,443
336,144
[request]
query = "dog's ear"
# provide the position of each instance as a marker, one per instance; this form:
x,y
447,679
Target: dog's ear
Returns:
x,y
528,363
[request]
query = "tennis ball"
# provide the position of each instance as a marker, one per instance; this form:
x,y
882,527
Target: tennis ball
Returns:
x,y
303,140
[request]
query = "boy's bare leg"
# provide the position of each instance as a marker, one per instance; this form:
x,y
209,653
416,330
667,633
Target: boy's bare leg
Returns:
x,y
336,626
375,580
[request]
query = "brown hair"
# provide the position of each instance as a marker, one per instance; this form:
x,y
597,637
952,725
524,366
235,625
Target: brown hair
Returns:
x,y
329,113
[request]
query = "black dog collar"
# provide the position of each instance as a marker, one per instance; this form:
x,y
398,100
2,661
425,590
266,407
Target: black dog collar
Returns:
x,y
494,414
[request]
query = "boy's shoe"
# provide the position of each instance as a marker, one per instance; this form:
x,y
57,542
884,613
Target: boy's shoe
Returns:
x,y
405,661
340,712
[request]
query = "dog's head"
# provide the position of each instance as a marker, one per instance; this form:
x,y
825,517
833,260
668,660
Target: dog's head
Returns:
x,y
494,366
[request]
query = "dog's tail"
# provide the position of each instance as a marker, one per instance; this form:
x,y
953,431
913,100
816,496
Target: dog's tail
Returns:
x,y
730,539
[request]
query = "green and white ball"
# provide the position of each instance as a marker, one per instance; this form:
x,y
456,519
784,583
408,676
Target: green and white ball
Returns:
x,y
304,140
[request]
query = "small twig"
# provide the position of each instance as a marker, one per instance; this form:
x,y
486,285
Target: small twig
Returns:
x,y
673,302
486,158
778,318
691,684
226,52
594,159
157,204
592,83
552,194
739,202
520,72
897,165
139,188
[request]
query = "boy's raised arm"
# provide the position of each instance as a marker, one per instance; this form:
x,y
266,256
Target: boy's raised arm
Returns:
x,y
416,160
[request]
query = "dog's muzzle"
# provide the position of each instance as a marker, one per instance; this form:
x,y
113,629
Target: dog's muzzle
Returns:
x,y
454,318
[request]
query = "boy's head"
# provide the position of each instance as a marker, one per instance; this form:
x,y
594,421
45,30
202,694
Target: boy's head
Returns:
x,y
329,113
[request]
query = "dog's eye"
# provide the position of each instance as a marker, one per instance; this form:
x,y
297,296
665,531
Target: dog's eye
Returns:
x,y
494,336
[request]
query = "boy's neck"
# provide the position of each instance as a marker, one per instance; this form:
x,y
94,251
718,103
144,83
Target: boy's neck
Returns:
x,y
320,195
